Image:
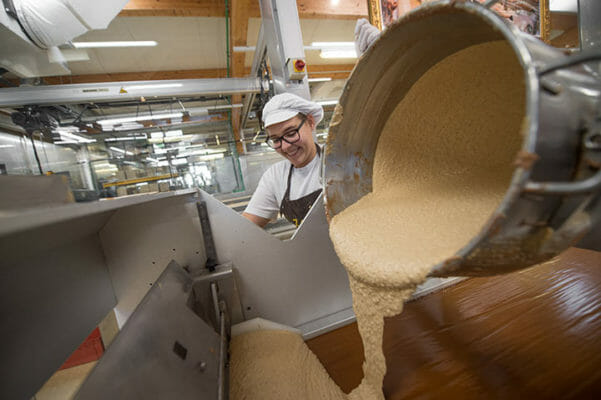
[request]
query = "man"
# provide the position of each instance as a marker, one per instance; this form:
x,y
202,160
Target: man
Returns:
x,y
290,186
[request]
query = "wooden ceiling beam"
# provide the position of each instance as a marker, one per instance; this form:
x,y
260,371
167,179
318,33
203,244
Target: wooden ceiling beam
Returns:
x,y
239,32
307,9
174,8
345,9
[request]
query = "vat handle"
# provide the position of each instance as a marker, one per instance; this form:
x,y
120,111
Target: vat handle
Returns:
x,y
572,60
584,186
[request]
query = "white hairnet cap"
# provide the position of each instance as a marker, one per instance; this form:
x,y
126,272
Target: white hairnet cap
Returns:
x,y
284,106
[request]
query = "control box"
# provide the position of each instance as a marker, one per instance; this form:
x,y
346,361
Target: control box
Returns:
x,y
297,69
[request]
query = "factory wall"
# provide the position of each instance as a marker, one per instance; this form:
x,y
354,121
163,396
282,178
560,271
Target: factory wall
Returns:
x,y
17,158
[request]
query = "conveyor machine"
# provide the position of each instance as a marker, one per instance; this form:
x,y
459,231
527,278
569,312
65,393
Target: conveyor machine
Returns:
x,y
65,266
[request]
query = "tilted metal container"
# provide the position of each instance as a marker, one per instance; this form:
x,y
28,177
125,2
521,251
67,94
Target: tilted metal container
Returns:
x,y
554,198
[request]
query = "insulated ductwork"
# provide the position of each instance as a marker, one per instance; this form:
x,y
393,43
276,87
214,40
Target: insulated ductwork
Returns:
x,y
31,30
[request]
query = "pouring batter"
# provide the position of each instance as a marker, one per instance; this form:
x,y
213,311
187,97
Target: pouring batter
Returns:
x,y
442,164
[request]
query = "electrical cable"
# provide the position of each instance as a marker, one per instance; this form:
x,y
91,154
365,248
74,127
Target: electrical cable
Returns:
x,y
35,153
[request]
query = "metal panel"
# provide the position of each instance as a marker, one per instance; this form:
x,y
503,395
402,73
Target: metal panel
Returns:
x,y
54,289
589,12
112,91
165,351
299,282
289,282
16,221
139,241
54,282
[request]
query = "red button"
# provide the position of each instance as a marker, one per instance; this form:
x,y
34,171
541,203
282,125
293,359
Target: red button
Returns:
x,y
299,65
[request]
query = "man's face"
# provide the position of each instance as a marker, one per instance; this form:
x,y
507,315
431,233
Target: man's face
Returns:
x,y
301,152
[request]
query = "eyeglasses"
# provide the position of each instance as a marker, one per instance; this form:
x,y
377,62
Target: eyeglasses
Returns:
x,y
290,137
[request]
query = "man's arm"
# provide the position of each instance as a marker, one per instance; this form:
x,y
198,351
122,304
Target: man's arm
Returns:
x,y
256,219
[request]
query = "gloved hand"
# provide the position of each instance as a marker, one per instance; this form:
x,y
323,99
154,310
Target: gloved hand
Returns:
x,y
365,35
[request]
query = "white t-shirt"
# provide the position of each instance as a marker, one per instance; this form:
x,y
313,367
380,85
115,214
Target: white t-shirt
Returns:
x,y
266,200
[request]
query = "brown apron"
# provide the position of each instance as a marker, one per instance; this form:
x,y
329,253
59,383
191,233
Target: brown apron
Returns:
x,y
295,210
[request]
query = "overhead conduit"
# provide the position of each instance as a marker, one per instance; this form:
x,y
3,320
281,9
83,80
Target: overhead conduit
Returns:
x,y
50,23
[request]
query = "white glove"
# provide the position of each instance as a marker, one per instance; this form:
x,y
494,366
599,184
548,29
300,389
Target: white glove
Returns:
x,y
365,35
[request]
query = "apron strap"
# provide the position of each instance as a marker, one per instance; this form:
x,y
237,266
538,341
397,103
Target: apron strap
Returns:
x,y
295,210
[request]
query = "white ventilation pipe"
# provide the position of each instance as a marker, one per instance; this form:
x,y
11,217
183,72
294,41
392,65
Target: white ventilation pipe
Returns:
x,y
50,23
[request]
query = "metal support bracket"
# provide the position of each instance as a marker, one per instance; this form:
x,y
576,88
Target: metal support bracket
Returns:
x,y
169,348
284,40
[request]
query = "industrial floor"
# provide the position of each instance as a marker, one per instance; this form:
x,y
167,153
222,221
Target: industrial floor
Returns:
x,y
532,334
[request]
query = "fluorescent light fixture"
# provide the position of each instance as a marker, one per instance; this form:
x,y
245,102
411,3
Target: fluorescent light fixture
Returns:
x,y
118,150
146,117
153,86
129,126
319,79
328,102
126,138
132,43
68,136
163,164
195,146
152,159
210,157
336,45
175,133
202,152
179,161
156,135
6,146
350,53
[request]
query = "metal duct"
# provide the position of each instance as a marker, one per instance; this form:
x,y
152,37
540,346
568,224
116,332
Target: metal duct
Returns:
x,y
54,22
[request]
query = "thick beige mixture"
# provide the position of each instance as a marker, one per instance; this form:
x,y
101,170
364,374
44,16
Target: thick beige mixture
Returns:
x,y
442,165
277,365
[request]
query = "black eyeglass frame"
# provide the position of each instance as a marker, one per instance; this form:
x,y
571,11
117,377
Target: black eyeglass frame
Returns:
x,y
296,132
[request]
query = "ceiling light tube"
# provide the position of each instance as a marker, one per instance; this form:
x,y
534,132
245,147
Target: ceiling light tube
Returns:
x,y
118,150
179,161
131,43
350,53
65,136
146,117
125,138
319,79
337,45
328,102
153,86
67,142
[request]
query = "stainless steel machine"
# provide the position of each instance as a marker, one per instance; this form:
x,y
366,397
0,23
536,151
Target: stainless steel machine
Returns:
x,y
554,199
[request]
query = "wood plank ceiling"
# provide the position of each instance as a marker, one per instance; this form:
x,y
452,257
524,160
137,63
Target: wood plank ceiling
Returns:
x,y
240,13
